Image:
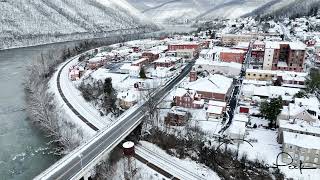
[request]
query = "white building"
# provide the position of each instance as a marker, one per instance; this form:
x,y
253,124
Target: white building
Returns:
x,y
301,147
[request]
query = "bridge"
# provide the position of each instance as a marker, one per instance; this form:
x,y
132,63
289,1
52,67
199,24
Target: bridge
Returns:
x,y
78,163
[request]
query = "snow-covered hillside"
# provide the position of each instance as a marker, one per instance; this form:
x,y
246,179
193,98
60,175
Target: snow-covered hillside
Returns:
x,y
25,20
181,11
287,8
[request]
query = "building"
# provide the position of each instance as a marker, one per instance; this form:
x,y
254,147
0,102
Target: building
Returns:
x,y
287,56
232,55
96,62
167,62
214,112
297,126
151,55
306,109
141,62
237,38
214,87
286,78
188,99
176,117
208,54
257,53
128,99
301,147
228,69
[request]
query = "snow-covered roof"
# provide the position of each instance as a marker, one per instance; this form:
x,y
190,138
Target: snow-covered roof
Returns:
x,y
239,51
128,144
215,110
102,74
167,59
311,103
300,125
297,45
181,92
272,45
202,61
96,59
217,103
214,83
139,61
301,140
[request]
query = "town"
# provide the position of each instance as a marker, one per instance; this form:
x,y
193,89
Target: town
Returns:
x,y
160,90
249,81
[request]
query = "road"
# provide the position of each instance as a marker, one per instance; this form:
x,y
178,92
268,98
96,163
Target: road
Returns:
x,y
235,95
106,139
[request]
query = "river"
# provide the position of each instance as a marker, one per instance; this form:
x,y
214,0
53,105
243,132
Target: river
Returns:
x,y
24,152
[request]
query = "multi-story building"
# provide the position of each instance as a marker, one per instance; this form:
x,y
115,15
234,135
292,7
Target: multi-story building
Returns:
x,y
236,38
287,56
301,148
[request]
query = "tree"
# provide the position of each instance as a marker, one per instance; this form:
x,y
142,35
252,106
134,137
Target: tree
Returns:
x,y
142,73
110,96
313,81
270,110
300,94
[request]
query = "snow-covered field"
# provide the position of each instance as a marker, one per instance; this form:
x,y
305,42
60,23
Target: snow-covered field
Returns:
x,y
198,169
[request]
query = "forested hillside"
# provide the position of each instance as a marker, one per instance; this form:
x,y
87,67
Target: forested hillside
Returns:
x,y
30,22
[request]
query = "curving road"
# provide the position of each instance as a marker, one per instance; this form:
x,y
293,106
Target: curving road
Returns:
x,y
87,155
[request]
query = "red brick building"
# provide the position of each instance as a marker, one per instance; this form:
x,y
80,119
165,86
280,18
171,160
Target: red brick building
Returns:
x,y
232,55
188,99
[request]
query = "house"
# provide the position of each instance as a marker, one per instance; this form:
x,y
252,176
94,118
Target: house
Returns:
x,y
306,109
128,99
96,62
167,62
176,117
214,87
218,104
301,147
162,72
74,74
214,112
298,126
208,54
188,99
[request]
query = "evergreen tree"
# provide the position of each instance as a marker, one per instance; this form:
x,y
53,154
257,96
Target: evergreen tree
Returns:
x,y
110,96
313,81
142,73
270,110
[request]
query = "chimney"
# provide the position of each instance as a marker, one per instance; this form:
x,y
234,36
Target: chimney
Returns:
x,y
193,75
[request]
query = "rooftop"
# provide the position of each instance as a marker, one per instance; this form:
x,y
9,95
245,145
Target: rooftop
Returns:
x,y
301,140
214,83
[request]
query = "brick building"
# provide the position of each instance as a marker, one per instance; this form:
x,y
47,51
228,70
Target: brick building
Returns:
x,y
151,56
286,56
232,55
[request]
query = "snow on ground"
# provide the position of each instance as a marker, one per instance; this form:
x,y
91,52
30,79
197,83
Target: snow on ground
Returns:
x,y
66,112
143,172
192,166
267,148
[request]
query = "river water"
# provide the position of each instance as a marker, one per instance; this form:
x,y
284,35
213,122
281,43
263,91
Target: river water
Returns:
x,y
24,152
